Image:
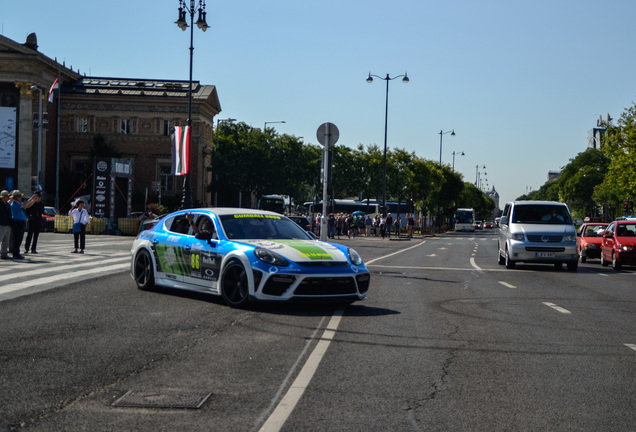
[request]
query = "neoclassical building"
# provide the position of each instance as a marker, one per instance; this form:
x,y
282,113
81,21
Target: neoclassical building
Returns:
x,y
134,117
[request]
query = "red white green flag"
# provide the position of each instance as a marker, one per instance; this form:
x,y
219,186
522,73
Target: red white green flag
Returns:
x,y
181,150
54,88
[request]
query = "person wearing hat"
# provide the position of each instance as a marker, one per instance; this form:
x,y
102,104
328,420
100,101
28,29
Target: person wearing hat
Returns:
x,y
19,220
80,221
34,222
5,224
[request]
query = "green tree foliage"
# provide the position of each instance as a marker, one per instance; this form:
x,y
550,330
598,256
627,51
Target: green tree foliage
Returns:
x,y
250,162
579,179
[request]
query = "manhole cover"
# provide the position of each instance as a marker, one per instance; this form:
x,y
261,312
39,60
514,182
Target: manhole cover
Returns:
x,y
163,399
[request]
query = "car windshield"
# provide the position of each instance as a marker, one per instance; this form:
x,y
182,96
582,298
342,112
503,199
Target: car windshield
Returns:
x,y
259,227
625,230
541,214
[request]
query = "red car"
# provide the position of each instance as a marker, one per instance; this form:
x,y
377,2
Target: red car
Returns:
x,y
589,239
619,244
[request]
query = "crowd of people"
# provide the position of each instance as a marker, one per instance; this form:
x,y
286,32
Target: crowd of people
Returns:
x,y
354,225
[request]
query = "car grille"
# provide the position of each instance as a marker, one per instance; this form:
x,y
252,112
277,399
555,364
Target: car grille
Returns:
x,y
278,284
319,263
325,286
363,282
544,238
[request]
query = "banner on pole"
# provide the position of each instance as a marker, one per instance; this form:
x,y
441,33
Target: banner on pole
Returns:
x,y
181,150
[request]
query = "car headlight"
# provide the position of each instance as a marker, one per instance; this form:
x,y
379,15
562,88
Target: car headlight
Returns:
x,y
627,248
270,257
518,237
570,238
354,257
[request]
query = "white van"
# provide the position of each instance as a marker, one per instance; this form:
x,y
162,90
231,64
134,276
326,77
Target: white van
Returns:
x,y
537,232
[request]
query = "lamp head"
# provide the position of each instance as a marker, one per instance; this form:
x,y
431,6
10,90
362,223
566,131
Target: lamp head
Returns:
x,y
406,78
201,23
369,78
453,132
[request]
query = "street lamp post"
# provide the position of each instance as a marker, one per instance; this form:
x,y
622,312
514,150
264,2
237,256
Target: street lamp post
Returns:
x,y
460,154
478,175
442,133
405,80
183,25
266,123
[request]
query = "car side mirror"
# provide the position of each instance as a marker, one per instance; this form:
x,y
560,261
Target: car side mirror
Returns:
x,y
504,220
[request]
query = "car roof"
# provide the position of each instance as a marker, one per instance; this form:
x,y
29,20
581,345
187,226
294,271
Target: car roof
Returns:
x,y
539,202
223,211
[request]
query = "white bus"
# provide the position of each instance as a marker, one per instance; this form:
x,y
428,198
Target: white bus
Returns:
x,y
465,219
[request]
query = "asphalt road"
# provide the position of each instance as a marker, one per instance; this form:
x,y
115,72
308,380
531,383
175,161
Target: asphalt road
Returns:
x,y
448,341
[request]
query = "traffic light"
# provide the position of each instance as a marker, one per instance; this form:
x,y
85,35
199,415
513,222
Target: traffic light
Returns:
x,y
626,208
631,207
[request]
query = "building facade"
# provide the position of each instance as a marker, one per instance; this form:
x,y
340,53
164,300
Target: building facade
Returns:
x,y
130,118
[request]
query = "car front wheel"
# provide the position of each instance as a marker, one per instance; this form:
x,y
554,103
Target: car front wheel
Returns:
x,y
234,285
143,272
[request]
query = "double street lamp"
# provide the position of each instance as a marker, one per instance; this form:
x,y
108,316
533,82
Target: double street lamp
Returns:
x,y
405,80
183,25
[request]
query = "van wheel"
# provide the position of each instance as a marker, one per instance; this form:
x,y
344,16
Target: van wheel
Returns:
x,y
500,259
510,264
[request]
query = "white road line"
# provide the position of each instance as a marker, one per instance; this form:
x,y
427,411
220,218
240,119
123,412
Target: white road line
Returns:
x,y
395,253
557,308
67,277
45,268
287,404
472,263
632,346
506,284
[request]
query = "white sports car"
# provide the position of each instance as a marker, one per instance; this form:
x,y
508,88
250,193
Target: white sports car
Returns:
x,y
243,255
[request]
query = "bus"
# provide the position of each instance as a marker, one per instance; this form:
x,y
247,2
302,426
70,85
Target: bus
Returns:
x,y
276,203
370,208
465,219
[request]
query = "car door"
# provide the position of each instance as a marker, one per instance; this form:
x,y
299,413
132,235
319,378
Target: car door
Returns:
x,y
201,255
168,246
608,242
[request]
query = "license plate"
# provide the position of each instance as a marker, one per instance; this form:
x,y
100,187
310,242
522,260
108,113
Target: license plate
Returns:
x,y
546,255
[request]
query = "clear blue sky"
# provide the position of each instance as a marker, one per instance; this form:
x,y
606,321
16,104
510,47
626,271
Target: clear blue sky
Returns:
x,y
521,83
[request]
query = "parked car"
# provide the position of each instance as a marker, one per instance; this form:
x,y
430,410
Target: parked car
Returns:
x,y
537,232
589,239
48,218
243,255
619,244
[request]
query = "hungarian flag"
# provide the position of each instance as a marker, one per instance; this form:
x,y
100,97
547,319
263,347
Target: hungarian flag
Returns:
x,y
181,150
55,87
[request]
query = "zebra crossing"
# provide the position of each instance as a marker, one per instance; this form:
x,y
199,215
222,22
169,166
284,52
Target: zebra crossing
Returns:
x,y
54,265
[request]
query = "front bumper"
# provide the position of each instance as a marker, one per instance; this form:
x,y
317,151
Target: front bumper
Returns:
x,y
525,252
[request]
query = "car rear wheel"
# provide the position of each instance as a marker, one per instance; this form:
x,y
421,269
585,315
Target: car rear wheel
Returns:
x,y
234,285
143,271
615,264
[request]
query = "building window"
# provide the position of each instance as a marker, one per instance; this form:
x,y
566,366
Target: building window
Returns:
x,y
125,126
82,125
166,177
168,127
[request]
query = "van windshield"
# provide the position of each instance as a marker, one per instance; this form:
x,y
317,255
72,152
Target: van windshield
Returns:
x,y
541,214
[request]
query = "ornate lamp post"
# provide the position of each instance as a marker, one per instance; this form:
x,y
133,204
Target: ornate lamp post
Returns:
x,y
183,25
405,80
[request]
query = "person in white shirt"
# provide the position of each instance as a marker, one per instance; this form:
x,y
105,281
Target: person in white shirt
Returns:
x,y
80,222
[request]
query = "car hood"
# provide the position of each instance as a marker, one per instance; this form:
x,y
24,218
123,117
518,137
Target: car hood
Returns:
x,y
301,250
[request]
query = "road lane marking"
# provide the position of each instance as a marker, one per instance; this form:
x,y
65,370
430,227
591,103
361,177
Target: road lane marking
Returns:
x,y
475,266
395,253
506,284
90,262
67,277
287,404
557,308
632,346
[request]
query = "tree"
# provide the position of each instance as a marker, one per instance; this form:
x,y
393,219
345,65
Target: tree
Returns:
x,y
579,178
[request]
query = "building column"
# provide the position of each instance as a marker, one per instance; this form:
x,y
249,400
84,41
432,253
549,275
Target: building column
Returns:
x,y
25,138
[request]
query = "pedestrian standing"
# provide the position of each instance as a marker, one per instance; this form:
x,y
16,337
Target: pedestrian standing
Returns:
x,y
389,224
34,223
80,221
19,221
5,224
